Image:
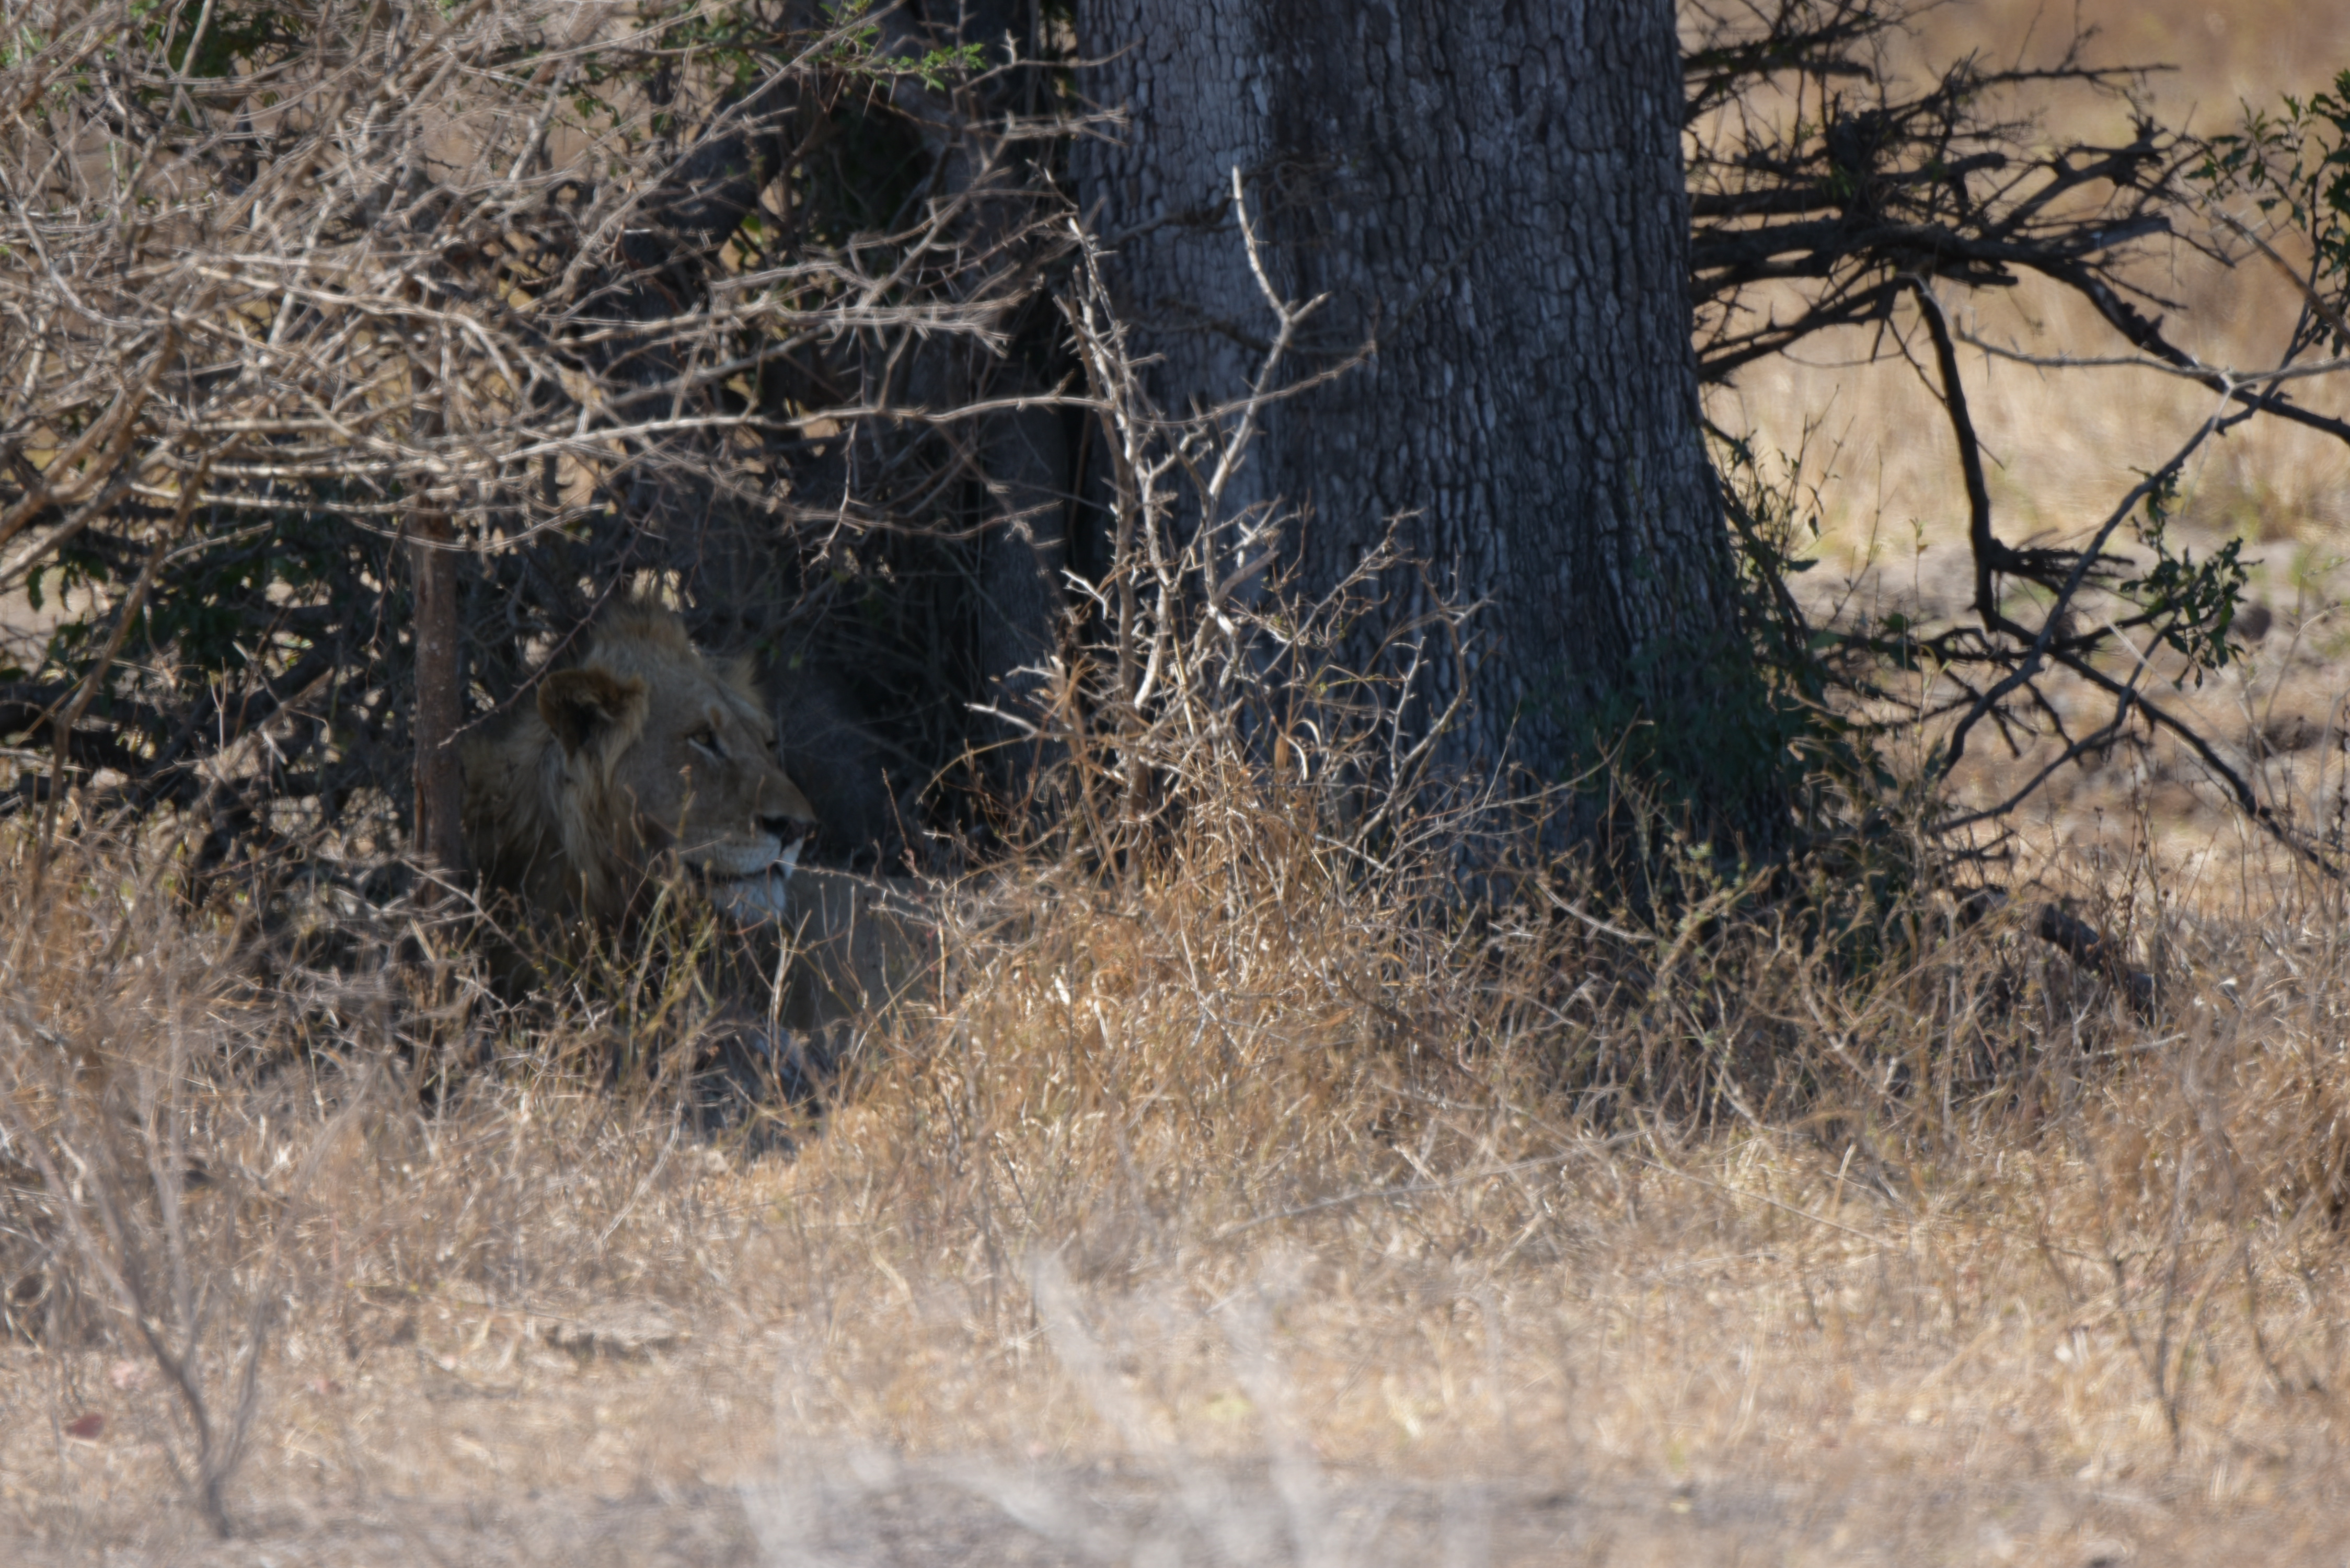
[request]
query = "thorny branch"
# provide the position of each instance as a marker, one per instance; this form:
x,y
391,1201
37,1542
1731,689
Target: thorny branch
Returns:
x,y
1831,184
610,289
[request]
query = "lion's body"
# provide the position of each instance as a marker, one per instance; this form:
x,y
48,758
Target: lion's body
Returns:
x,y
859,944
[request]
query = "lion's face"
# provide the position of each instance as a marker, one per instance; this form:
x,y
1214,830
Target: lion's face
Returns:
x,y
646,757
686,762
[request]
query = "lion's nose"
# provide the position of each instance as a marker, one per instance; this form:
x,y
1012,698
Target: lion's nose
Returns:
x,y
784,828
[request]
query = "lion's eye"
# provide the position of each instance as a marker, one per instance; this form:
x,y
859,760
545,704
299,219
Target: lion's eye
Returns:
x,y
706,740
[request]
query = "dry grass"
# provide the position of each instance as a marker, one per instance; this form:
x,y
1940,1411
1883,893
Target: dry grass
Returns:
x,y
1220,1204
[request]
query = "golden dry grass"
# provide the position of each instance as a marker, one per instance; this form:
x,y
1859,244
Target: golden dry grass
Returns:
x,y
1224,1179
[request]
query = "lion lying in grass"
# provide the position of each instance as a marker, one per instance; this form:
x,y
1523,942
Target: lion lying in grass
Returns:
x,y
647,764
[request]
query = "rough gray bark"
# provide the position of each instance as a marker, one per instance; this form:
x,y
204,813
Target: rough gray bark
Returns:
x,y
1491,189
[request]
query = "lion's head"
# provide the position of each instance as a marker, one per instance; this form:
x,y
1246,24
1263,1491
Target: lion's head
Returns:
x,y
642,756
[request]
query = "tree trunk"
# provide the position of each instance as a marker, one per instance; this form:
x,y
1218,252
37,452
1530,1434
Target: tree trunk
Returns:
x,y
1492,190
1017,511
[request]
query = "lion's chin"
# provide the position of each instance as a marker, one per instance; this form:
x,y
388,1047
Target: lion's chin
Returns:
x,y
761,896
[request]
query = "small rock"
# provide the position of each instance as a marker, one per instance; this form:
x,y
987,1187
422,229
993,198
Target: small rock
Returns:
x,y
615,1329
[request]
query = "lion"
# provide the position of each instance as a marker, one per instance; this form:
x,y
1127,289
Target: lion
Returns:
x,y
645,762
643,758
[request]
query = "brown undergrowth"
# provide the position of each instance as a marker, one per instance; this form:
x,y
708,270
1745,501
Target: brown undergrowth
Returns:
x,y
1246,1161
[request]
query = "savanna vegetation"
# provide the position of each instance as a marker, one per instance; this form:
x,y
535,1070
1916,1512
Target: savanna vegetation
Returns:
x,y
1307,1149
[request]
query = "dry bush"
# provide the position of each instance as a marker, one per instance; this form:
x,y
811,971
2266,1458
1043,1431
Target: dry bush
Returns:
x,y
1884,495
355,357
1344,1203
154,1201
1242,1160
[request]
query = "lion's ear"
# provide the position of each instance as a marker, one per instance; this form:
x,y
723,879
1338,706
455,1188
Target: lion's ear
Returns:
x,y
582,706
